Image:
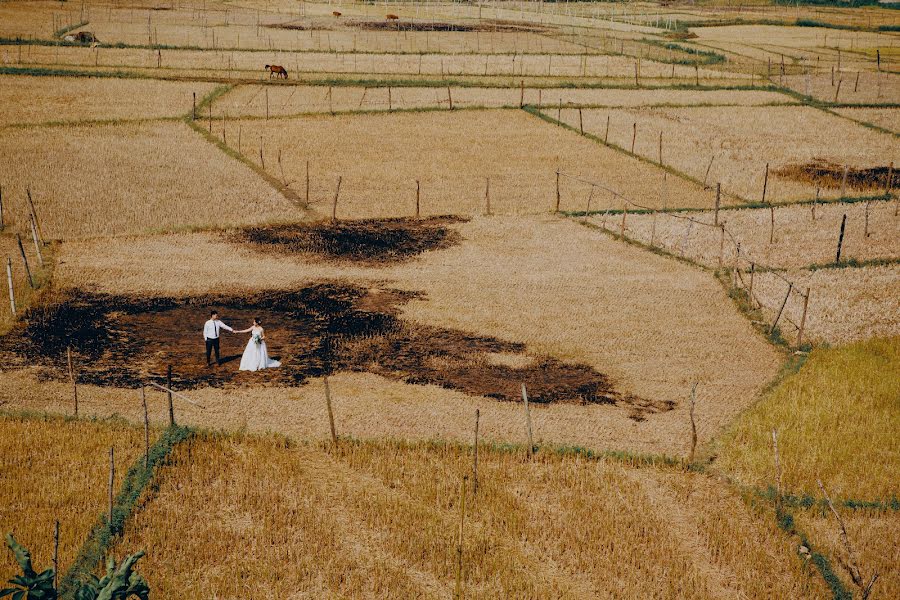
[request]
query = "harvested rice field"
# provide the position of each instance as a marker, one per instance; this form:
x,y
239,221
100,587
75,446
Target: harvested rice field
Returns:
x,y
886,118
802,236
35,100
341,515
57,470
456,292
734,145
276,101
461,160
98,180
478,332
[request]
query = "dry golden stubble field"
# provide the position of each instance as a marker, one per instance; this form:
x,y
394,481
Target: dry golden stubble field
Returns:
x,y
54,469
811,38
886,118
379,158
872,88
799,241
676,327
873,535
740,141
33,100
251,100
246,64
381,520
845,305
23,291
36,19
115,179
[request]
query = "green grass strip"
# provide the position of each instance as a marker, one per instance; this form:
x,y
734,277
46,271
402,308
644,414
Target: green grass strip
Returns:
x,y
786,523
100,540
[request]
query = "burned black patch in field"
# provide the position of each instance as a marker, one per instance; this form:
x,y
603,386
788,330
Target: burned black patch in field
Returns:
x,y
831,175
319,330
376,241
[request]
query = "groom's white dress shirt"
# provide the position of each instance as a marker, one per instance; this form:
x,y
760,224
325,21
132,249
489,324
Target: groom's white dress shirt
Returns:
x,y
211,329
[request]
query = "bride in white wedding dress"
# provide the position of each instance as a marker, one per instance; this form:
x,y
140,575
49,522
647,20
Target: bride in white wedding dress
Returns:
x,y
256,355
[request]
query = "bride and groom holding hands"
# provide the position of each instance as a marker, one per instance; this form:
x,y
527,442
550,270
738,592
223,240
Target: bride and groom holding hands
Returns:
x,y
256,354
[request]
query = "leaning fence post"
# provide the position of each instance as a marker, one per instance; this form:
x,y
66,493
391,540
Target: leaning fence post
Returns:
x,y
528,421
633,136
781,310
487,196
334,439
803,319
1,207
9,281
25,260
37,243
522,94
624,216
765,183
580,121
450,97
194,109
418,189
718,201
837,259
750,291
169,392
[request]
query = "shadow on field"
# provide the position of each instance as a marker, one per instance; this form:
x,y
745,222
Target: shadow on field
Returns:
x,y
321,329
367,241
831,175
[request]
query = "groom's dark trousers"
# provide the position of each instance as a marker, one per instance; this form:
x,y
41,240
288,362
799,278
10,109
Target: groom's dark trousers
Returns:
x,y
211,345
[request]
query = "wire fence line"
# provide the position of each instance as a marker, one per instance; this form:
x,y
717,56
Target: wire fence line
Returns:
x,y
742,269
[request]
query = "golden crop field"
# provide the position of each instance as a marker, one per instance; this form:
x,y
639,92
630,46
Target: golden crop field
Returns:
x,y
35,100
734,144
116,179
57,469
260,101
381,520
452,156
801,238
443,212
836,419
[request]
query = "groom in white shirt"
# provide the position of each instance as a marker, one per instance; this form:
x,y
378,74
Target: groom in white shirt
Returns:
x,y
211,331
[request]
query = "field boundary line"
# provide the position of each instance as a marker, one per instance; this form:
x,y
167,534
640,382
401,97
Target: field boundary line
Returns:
x,y
139,478
93,122
195,125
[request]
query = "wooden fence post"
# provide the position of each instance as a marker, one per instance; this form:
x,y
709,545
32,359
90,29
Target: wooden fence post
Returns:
x,y
837,259
487,195
765,183
112,483
56,555
803,319
37,243
34,215
693,423
194,108
1,207
169,393
9,281
25,260
334,206
528,421
475,465
606,136
307,182
267,104
334,439
633,136
721,245
771,223
781,310
418,190
580,121
146,428
450,97
72,378
660,148
557,190
718,201
522,94
750,290
624,216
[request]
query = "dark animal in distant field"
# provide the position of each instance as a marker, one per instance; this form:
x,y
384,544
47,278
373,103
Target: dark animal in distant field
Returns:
x,y
336,13
392,17
277,71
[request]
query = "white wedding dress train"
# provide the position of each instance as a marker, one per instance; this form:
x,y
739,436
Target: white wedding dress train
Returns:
x,y
256,355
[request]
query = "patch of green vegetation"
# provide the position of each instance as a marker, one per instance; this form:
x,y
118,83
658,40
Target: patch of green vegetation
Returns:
x,y
138,479
63,31
703,57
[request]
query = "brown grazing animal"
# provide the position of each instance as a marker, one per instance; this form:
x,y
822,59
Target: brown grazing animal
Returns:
x,y
336,13
277,71
392,17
